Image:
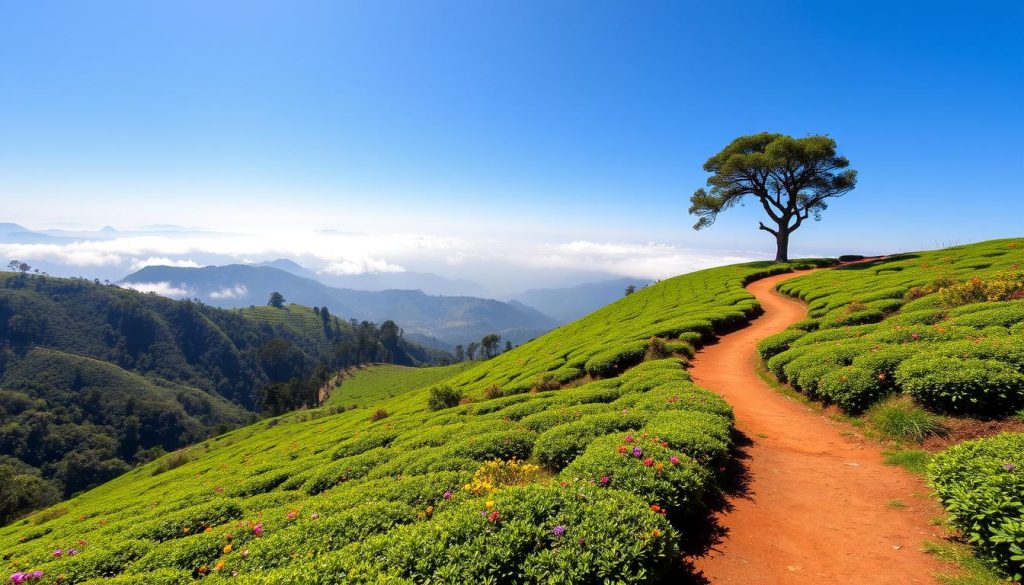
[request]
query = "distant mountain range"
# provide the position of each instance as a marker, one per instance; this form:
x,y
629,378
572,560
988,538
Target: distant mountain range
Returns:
x,y
450,319
569,304
432,284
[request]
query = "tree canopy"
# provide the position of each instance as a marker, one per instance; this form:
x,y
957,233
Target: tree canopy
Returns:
x,y
792,178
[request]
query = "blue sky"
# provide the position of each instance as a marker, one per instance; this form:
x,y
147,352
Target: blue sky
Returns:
x,y
507,125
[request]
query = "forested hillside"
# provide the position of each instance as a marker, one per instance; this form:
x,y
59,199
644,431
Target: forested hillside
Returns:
x,y
94,378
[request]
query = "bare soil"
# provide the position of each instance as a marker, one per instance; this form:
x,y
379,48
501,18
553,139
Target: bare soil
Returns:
x,y
814,502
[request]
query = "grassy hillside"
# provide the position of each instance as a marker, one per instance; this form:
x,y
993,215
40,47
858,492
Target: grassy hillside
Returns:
x,y
616,469
374,384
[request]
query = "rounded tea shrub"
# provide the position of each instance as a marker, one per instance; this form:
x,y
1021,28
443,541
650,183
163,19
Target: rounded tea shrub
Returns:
x,y
980,387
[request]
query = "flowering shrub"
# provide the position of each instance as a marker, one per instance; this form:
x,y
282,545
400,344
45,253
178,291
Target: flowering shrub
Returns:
x,y
498,474
559,445
623,459
1000,287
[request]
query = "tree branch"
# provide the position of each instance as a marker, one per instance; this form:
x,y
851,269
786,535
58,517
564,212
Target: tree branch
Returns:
x,y
761,226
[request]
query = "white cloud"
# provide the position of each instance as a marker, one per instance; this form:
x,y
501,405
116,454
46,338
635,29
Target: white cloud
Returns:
x,y
163,261
342,253
69,254
234,292
164,289
360,266
650,260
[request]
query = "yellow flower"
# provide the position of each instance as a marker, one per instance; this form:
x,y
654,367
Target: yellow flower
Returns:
x,y
655,533
489,504
218,566
430,510
227,549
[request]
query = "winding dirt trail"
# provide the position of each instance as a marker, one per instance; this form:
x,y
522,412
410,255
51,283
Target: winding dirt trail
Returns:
x,y
819,505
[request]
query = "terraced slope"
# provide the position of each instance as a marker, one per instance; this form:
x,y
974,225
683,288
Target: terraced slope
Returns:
x,y
946,327
617,470
372,385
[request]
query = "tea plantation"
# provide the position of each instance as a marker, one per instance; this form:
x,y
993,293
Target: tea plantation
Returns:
x,y
517,479
946,328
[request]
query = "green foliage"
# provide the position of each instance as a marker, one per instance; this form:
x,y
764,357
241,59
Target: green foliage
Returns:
x,y
984,387
775,344
443,396
642,465
793,178
981,484
942,326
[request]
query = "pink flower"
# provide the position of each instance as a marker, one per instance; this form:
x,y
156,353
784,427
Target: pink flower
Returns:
x,y
605,480
493,516
629,438
673,460
648,462
258,529
57,553
447,494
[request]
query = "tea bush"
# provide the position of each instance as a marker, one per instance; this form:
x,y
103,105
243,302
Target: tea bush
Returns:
x,y
981,485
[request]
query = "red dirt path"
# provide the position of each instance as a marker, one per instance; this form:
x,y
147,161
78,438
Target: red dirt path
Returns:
x,y
817,506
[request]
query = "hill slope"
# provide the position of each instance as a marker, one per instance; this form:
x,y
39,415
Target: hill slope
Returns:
x,y
453,320
943,326
94,377
325,498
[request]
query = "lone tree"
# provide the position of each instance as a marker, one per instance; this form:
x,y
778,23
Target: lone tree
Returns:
x,y
791,177
276,300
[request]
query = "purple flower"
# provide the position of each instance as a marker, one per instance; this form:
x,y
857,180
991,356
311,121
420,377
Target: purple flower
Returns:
x,y
558,530
637,452
447,494
72,552
1010,467
582,542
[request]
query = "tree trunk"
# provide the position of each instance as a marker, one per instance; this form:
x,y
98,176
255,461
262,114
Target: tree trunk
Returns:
x,y
782,246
